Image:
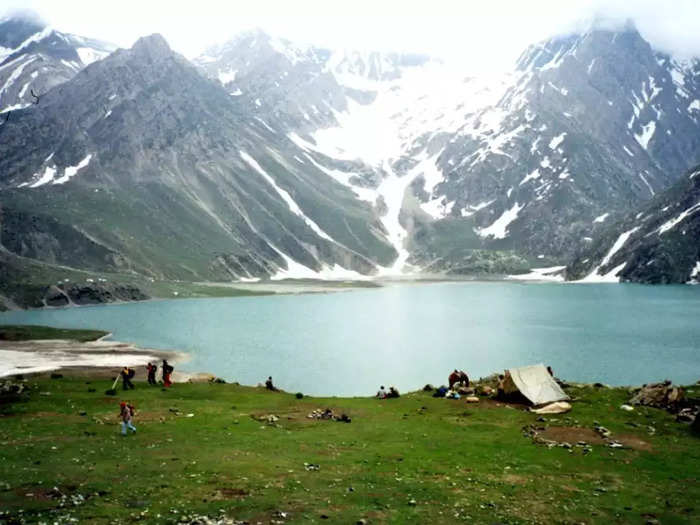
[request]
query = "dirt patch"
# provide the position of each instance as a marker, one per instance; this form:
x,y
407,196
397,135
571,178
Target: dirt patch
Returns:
x,y
230,493
572,435
633,442
515,479
575,434
46,414
488,402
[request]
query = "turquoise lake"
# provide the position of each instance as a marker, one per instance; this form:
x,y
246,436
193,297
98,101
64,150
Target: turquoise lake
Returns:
x,y
407,335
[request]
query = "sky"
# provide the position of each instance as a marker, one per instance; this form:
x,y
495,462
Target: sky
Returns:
x,y
488,34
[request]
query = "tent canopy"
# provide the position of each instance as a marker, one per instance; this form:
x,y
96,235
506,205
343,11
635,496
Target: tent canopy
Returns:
x,y
535,383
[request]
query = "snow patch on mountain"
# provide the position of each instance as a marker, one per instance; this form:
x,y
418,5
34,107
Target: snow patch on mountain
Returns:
x,y
46,177
499,228
556,141
611,276
71,171
535,174
286,197
89,55
695,274
645,136
551,274
670,224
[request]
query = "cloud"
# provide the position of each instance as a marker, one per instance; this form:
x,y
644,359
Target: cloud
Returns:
x,y
486,34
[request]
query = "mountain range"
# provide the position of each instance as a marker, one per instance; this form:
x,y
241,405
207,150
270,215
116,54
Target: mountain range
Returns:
x,y
262,158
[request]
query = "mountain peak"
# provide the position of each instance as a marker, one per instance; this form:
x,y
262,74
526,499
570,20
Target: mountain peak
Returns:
x,y
152,45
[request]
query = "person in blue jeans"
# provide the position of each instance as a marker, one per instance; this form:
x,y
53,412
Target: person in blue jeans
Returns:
x,y
126,413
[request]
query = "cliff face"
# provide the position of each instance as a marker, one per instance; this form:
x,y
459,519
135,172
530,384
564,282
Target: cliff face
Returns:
x,y
659,243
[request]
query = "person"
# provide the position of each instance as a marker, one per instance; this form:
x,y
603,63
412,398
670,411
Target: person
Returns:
x,y
126,413
393,393
151,369
269,385
441,392
549,369
381,393
500,389
458,376
127,374
167,370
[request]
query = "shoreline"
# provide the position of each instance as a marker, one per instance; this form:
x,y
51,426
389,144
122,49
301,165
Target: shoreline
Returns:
x,y
99,358
104,359
309,286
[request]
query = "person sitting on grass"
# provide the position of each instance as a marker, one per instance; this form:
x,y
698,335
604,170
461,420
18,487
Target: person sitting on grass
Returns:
x,y
127,373
126,413
269,385
381,393
393,393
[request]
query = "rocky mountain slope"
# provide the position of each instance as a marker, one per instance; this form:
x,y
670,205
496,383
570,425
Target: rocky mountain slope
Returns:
x,y
660,243
536,160
150,167
593,124
34,58
268,159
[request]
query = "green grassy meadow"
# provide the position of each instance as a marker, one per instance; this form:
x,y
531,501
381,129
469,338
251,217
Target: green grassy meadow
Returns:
x,y
206,449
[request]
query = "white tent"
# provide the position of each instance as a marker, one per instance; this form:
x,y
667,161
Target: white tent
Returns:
x,y
535,383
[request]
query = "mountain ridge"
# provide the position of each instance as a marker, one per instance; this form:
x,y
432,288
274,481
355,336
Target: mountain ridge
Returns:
x,y
262,159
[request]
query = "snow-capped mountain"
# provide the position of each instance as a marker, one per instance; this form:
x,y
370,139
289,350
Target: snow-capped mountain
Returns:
x,y
585,125
368,120
659,243
296,161
34,58
156,169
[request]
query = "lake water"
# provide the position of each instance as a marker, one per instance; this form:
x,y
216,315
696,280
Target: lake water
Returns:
x,y
408,335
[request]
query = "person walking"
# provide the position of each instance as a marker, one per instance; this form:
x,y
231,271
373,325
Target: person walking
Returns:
x,y
151,369
126,413
127,374
167,370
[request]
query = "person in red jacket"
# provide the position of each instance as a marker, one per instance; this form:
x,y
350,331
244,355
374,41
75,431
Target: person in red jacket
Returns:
x,y
167,370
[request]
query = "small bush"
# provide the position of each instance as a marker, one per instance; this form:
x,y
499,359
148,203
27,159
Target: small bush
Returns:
x,y
299,395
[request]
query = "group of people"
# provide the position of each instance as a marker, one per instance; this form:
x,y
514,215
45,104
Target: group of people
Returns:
x,y
383,394
127,374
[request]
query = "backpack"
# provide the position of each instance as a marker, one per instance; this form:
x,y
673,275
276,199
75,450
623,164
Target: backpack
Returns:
x,y
132,373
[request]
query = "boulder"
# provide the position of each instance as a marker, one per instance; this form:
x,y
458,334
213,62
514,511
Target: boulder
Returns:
x,y
659,395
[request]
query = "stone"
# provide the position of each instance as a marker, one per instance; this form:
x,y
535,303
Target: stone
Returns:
x,y
659,395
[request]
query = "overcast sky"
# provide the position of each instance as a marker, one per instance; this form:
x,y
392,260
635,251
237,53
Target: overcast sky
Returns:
x,y
484,33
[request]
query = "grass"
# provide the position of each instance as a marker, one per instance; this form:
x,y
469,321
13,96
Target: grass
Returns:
x,y
29,332
410,460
